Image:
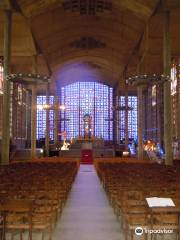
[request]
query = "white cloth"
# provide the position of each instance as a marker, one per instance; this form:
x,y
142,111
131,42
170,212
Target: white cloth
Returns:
x,y
160,202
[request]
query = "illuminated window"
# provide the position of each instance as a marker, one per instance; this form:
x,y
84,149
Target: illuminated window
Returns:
x,y
132,117
1,76
41,117
175,92
173,79
20,91
90,98
19,107
154,95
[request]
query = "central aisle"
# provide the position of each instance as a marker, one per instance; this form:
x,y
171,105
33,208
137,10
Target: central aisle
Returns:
x,y
87,214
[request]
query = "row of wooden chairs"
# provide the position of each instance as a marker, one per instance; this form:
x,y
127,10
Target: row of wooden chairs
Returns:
x,y
129,183
45,185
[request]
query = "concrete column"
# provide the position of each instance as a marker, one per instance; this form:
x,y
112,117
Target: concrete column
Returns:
x,y
47,122
140,121
56,120
33,121
178,107
143,114
114,118
150,114
126,119
6,90
120,119
159,114
117,121
28,118
34,111
167,91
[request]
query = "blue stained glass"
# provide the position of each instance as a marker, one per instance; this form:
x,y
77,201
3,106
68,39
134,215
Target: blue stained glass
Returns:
x,y
79,99
82,98
41,117
132,117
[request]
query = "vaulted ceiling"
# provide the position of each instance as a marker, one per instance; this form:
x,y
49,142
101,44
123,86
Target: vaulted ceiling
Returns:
x,y
112,37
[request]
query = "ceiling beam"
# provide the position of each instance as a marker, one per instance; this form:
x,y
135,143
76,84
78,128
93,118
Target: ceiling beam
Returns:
x,y
135,51
139,9
38,48
146,39
40,52
33,9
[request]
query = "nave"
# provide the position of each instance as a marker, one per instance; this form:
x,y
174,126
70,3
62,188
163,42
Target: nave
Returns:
x,y
55,199
87,214
89,82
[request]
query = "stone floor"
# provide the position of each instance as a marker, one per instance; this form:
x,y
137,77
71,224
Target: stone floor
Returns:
x,y
87,214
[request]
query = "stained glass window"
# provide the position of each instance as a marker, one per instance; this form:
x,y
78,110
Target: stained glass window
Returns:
x,y
175,92
1,76
20,93
173,79
154,95
41,117
19,108
91,98
132,117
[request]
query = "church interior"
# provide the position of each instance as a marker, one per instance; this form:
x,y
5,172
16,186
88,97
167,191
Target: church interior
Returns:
x,y
89,119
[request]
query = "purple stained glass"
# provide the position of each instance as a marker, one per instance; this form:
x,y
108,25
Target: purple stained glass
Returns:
x,y
132,117
91,98
41,117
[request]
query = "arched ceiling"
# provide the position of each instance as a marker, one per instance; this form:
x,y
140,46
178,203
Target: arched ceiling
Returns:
x,y
122,37
114,30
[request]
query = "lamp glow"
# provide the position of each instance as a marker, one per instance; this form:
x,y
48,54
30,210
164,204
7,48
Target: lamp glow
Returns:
x,y
40,107
125,154
62,107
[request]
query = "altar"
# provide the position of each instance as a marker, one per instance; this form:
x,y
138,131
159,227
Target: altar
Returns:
x,y
87,146
92,142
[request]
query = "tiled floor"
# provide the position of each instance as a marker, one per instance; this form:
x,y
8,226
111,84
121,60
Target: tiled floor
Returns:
x,y
87,214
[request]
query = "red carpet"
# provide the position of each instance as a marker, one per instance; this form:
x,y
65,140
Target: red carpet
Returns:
x,y
86,156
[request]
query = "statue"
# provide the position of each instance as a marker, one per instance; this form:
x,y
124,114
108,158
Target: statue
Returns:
x,y
87,126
